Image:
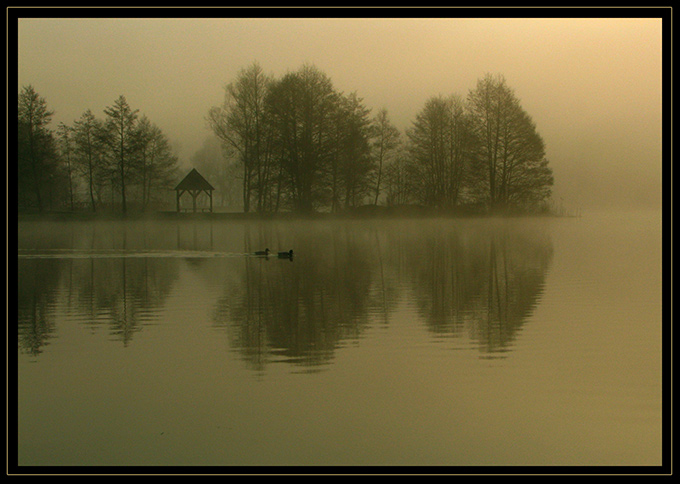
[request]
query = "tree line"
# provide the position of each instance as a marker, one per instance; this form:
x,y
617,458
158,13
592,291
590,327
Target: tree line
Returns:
x,y
121,159
298,144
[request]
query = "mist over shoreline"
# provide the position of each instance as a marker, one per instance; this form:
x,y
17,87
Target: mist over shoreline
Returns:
x,y
593,86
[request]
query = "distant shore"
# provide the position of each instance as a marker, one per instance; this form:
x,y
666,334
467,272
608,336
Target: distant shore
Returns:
x,y
366,212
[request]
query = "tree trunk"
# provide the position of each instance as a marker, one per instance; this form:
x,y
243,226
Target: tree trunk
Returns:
x,y
122,175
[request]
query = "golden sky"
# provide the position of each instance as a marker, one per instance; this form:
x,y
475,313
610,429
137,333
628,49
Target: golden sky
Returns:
x,y
592,86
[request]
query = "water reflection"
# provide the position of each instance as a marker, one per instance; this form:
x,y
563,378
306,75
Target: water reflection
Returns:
x,y
482,283
34,321
119,293
477,281
301,309
465,282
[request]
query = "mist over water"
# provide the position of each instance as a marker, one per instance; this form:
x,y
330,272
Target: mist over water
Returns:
x,y
450,342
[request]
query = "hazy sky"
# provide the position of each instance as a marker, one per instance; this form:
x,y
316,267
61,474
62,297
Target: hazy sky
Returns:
x,y
592,86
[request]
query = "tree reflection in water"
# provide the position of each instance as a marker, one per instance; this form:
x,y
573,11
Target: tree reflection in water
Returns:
x,y
298,310
476,280
482,282
119,293
34,324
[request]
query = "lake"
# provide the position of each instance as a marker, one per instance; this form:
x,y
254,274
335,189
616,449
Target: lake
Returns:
x,y
436,342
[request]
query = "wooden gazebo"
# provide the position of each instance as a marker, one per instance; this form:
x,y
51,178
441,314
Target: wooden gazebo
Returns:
x,y
194,184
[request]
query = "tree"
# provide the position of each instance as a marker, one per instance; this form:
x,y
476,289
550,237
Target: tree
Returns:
x,y
510,166
399,182
241,124
87,150
65,139
439,145
36,145
302,144
301,106
385,140
461,147
527,179
211,160
355,164
155,164
119,128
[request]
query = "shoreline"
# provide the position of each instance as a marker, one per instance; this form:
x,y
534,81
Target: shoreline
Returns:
x,y
380,213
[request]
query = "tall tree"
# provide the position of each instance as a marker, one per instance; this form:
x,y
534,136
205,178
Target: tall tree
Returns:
x,y
510,166
302,105
240,123
120,138
385,139
156,165
355,162
66,148
88,150
461,147
36,155
222,172
399,180
439,144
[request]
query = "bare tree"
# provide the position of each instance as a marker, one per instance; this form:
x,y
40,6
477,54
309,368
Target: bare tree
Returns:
x,y
385,139
510,166
65,139
88,150
439,144
399,181
302,105
355,163
302,144
120,137
35,142
155,163
240,123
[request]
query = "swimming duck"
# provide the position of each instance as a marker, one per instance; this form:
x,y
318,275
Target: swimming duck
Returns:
x,y
262,252
286,255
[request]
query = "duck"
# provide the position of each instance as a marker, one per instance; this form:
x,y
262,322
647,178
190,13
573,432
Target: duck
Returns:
x,y
286,255
262,252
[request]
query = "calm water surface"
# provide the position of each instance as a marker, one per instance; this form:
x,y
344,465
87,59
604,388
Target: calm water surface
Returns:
x,y
435,342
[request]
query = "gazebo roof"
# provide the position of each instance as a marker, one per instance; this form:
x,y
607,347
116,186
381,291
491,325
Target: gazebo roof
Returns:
x,y
194,181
